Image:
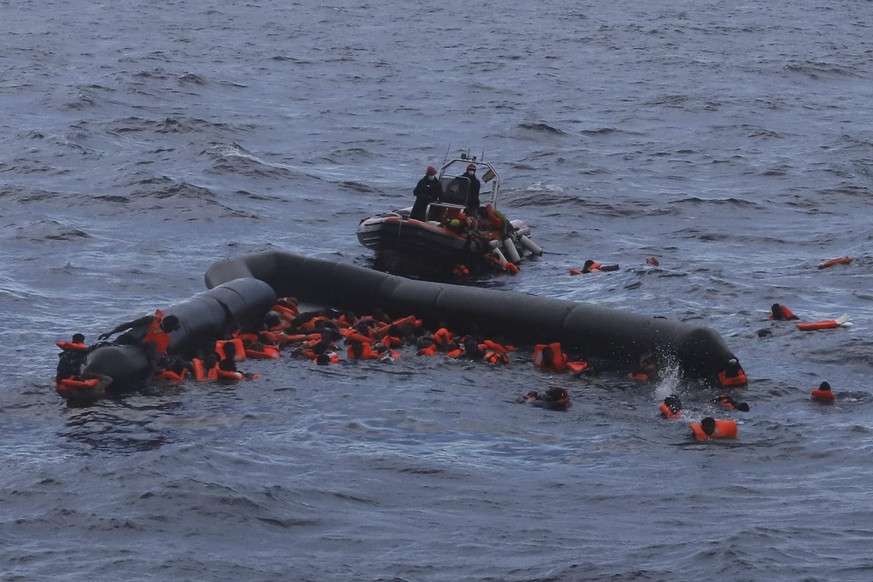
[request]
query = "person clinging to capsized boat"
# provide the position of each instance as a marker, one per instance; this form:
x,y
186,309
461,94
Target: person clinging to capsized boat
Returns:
x,y
427,191
152,331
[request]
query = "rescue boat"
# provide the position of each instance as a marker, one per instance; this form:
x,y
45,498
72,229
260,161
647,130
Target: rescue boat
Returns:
x,y
447,237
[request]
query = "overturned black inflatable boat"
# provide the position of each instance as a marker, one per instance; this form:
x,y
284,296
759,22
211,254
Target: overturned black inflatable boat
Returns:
x,y
594,332
203,318
242,290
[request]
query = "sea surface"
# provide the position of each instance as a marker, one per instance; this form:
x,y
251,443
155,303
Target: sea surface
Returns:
x,y
140,142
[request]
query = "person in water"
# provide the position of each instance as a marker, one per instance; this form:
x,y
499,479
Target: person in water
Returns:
x,y
427,191
71,358
555,398
823,393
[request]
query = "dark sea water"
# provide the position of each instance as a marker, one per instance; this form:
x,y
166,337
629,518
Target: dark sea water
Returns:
x,y
140,142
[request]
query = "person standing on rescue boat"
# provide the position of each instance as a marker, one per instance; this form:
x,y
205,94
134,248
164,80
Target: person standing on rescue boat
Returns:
x,y
473,191
427,190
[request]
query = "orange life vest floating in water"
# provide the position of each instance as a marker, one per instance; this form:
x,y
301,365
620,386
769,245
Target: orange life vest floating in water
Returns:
x,y
825,324
710,428
837,261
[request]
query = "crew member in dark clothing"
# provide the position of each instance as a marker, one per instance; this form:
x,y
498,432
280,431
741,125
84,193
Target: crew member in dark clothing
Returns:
x,y
473,191
427,190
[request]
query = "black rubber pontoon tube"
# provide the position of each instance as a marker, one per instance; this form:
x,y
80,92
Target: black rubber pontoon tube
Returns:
x,y
591,331
207,316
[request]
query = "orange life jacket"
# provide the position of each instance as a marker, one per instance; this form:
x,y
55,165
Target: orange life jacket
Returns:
x,y
739,379
71,346
786,312
442,337
837,261
156,335
68,387
724,429
360,351
172,376
494,357
74,383
823,395
430,350
558,360
286,313
493,345
265,353
824,324
390,341
201,374
669,414
577,366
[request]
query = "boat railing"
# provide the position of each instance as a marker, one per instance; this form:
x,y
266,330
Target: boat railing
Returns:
x,y
456,167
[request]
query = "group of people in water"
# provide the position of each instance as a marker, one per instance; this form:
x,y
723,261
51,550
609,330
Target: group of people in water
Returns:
x,y
725,428
325,336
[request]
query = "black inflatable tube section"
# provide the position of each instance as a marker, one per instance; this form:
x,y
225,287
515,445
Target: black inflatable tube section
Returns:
x,y
595,332
207,316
